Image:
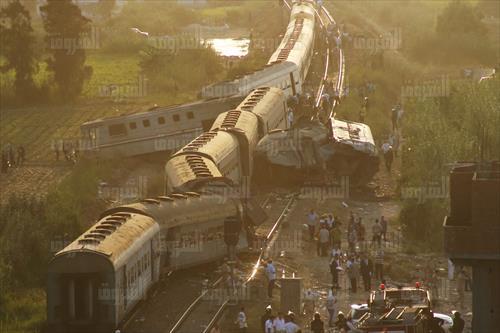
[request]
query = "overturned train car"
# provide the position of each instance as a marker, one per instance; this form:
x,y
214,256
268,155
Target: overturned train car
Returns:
x,y
95,282
309,149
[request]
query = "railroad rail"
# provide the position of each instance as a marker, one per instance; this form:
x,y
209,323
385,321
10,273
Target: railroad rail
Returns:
x,y
205,311
341,69
328,56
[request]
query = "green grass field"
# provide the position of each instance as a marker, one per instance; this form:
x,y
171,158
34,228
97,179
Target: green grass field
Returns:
x,y
36,127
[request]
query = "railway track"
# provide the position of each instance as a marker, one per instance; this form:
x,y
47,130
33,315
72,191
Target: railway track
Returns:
x,y
201,315
325,19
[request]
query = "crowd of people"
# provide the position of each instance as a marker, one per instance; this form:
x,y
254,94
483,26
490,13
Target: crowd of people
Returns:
x,y
278,322
12,156
70,149
357,260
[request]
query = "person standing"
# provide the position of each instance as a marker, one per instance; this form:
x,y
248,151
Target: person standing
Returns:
x,y
388,155
324,240
279,323
352,273
379,265
269,325
290,326
461,278
366,271
311,223
265,317
458,323
330,221
330,306
325,103
351,240
376,233
317,325
271,276
241,321
394,142
341,322
394,118
383,225
290,117
334,270
336,95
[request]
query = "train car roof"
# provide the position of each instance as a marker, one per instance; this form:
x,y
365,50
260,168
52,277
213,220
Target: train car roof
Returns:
x,y
259,100
214,145
186,172
155,111
244,84
182,209
245,121
357,135
302,21
113,235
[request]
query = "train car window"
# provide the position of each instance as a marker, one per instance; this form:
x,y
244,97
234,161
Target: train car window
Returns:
x,y
132,125
161,120
190,115
117,129
176,117
146,123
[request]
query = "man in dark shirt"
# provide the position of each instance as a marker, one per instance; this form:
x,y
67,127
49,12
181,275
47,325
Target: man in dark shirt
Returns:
x,y
317,325
366,271
458,323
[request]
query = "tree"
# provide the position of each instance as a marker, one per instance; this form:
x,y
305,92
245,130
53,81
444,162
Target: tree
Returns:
x,y
67,30
16,38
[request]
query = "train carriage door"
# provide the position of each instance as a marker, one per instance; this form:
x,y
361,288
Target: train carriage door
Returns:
x,y
294,90
80,296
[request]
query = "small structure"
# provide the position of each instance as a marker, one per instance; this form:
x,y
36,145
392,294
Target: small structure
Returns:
x,y
291,292
472,236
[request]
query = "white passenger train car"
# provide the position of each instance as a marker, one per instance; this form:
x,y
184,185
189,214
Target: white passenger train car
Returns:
x,y
95,282
157,130
288,66
224,155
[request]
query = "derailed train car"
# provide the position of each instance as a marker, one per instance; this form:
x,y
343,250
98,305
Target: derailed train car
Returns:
x,y
344,148
288,66
96,281
224,155
159,129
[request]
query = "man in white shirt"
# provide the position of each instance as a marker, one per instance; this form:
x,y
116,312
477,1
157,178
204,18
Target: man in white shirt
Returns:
x,y
290,117
330,306
311,222
324,240
242,321
271,276
269,325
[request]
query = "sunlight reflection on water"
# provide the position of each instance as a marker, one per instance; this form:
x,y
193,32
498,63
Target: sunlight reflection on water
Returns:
x,y
229,47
